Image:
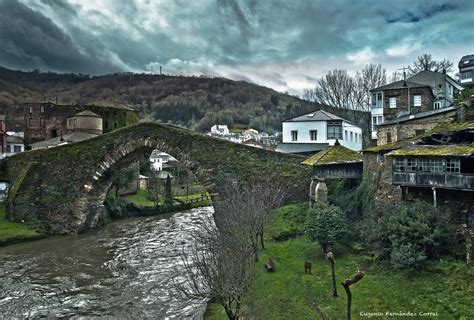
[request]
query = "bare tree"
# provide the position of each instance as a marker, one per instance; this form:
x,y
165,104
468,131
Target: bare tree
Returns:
x,y
372,76
346,284
247,207
425,62
218,266
340,90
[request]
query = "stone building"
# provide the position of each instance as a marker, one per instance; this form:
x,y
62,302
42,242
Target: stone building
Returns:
x,y
336,162
437,167
422,92
411,125
46,120
85,121
466,71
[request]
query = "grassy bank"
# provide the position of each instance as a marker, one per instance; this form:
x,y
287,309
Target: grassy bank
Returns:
x,y
17,232
288,293
140,199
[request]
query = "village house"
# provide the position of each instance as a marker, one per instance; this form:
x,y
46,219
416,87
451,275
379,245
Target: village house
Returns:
x,y
219,130
437,167
466,71
46,120
315,131
160,160
423,92
15,143
336,162
81,126
410,125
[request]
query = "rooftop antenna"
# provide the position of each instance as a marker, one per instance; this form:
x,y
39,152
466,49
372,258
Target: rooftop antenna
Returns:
x,y
160,71
404,75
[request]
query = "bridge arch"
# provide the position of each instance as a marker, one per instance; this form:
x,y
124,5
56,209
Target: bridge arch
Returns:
x,y
66,186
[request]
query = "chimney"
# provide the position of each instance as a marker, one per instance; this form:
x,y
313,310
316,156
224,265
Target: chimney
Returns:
x,y
444,70
404,78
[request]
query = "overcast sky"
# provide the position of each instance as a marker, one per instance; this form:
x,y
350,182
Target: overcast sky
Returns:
x,y
281,44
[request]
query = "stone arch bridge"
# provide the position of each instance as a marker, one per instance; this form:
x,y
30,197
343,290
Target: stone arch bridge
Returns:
x,y
66,186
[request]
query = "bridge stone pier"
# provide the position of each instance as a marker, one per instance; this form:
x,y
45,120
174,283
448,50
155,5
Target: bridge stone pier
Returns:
x,y
65,187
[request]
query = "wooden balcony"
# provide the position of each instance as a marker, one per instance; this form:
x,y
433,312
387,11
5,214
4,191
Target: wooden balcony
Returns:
x,y
458,181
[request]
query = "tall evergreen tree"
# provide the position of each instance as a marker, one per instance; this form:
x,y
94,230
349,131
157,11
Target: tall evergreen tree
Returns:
x,y
168,192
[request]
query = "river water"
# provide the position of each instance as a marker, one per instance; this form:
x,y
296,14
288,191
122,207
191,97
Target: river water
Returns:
x,y
123,271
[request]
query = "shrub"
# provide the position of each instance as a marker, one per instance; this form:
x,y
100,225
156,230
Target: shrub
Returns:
x,y
410,233
325,224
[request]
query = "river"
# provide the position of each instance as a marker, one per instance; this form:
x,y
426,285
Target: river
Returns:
x,y
122,271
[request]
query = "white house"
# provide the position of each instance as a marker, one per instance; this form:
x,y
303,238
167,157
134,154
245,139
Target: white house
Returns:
x,y
219,129
159,159
15,143
316,131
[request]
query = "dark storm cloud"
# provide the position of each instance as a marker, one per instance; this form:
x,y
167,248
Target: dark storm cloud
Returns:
x,y
31,40
279,43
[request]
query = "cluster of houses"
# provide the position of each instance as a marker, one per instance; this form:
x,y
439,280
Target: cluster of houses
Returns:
x,y
250,137
424,146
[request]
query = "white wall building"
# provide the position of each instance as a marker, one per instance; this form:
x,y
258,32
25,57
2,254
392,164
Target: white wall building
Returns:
x,y
219,129
321,127
158,159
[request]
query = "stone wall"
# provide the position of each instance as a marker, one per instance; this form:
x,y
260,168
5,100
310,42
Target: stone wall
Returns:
x,y
405,101
48,120
65,186
408,129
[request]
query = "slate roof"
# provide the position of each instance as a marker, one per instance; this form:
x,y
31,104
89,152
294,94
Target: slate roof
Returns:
x,y
15,140
416,116
466,61
336,154
68,138
87,113
318,115
435,151
400,85
441,127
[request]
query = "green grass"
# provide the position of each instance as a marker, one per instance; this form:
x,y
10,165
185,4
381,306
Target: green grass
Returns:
x,y
287,222
14,232
140,199
288,293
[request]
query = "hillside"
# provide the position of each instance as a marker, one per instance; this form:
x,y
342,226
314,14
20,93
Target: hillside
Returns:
x,y
193,102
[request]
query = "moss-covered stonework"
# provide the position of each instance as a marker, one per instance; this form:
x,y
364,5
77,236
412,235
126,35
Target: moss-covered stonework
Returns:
x,y
336,154
435,151
66,186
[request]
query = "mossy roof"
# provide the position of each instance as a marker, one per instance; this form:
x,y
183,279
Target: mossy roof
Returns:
x,y
336,154
436,151
440,128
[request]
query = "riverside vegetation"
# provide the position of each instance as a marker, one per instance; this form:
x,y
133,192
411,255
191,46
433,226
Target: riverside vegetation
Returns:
x,y
419,268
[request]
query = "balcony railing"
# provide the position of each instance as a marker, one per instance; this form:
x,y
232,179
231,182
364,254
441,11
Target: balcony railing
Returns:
x,y
457,181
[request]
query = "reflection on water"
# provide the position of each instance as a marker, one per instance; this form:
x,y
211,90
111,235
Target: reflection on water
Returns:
x,y
121,271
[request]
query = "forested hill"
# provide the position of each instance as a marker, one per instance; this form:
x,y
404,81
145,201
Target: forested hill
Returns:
x,y
194,102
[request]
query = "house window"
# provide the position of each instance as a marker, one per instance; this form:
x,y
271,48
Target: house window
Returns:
x,y
30,109
399,164
30,122
374,100
453,165
417,101
379,96
392,102
379,119
42,109
345,135
419,132
313,134
334,130
411,164
437,165
466,74
437,105
16,149
9,149
389,137
352,136
294,135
